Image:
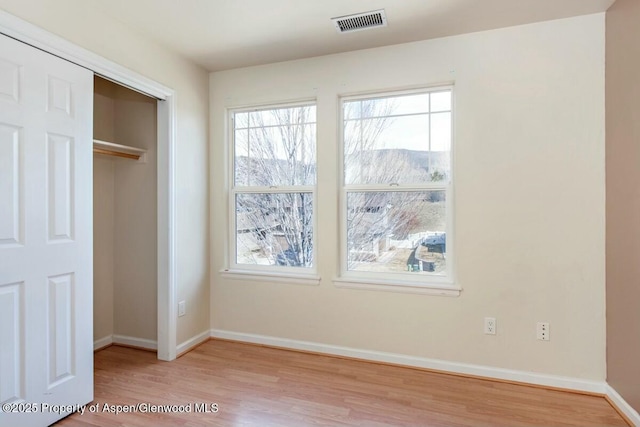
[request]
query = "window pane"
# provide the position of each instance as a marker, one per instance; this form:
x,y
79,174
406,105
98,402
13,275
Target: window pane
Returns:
x,y
397,232
278,149
241,151
441,101
241,120
352,110
385,151
376,107
441,132
382,107
262,118
410,104
274,229
406,146
440,158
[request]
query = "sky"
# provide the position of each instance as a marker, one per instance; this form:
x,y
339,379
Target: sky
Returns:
x,y
409,128
420,122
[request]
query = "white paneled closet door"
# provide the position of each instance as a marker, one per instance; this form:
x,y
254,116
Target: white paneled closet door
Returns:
x,y
46,253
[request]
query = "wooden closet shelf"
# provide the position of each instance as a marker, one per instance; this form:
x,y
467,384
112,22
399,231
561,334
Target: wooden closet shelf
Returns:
x,y
117,150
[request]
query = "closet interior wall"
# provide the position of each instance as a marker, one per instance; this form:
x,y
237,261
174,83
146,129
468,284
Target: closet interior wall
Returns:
x,y
125,218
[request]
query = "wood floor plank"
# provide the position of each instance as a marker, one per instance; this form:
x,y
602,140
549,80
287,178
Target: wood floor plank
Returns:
x,y
261,386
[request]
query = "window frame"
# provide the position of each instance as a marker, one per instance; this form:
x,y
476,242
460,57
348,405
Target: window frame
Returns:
x,y
271,273
398,281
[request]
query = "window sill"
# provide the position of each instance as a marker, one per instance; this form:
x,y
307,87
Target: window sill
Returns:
x,y
398,286
272,277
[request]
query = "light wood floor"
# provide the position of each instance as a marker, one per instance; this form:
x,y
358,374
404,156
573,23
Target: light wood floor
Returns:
x,y
260,386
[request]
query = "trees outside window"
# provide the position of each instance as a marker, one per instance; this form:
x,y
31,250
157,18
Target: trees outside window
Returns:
x,y
396,184
274,165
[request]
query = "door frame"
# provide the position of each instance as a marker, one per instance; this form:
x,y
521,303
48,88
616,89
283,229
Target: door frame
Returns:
x,y
35,36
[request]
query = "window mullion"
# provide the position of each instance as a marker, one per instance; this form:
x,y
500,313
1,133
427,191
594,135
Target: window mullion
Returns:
x,y
274,189
396,188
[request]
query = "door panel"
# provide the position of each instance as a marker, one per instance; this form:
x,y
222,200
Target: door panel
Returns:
x,y
11,333
11,190
46,242
9,80
60,354
60,187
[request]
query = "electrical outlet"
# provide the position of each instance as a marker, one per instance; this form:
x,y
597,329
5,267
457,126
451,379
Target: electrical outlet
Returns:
x,y
543,332
182,308
490,325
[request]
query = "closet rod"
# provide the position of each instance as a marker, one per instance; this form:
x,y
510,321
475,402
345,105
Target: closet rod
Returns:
x,y
118,150
116,154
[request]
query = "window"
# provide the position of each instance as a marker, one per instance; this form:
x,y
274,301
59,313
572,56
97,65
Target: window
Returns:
x,y
273,188
396,195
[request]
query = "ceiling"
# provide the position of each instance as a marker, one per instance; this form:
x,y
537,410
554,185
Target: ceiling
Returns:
x,y
225,34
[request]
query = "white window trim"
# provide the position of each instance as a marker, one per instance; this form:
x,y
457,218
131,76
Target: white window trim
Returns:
x,y
272,277
397,282
266,273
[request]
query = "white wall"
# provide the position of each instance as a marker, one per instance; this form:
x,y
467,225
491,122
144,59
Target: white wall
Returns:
x,y
529,152
81,22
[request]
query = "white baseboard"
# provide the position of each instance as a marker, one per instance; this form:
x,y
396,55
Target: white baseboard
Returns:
x,y
102,342
399,359
193,341
623,406
568,383
135,342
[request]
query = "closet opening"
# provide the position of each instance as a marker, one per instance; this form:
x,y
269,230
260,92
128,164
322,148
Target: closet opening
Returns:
x,y
125,217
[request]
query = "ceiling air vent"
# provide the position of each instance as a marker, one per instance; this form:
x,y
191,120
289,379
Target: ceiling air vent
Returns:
x,y
360,21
